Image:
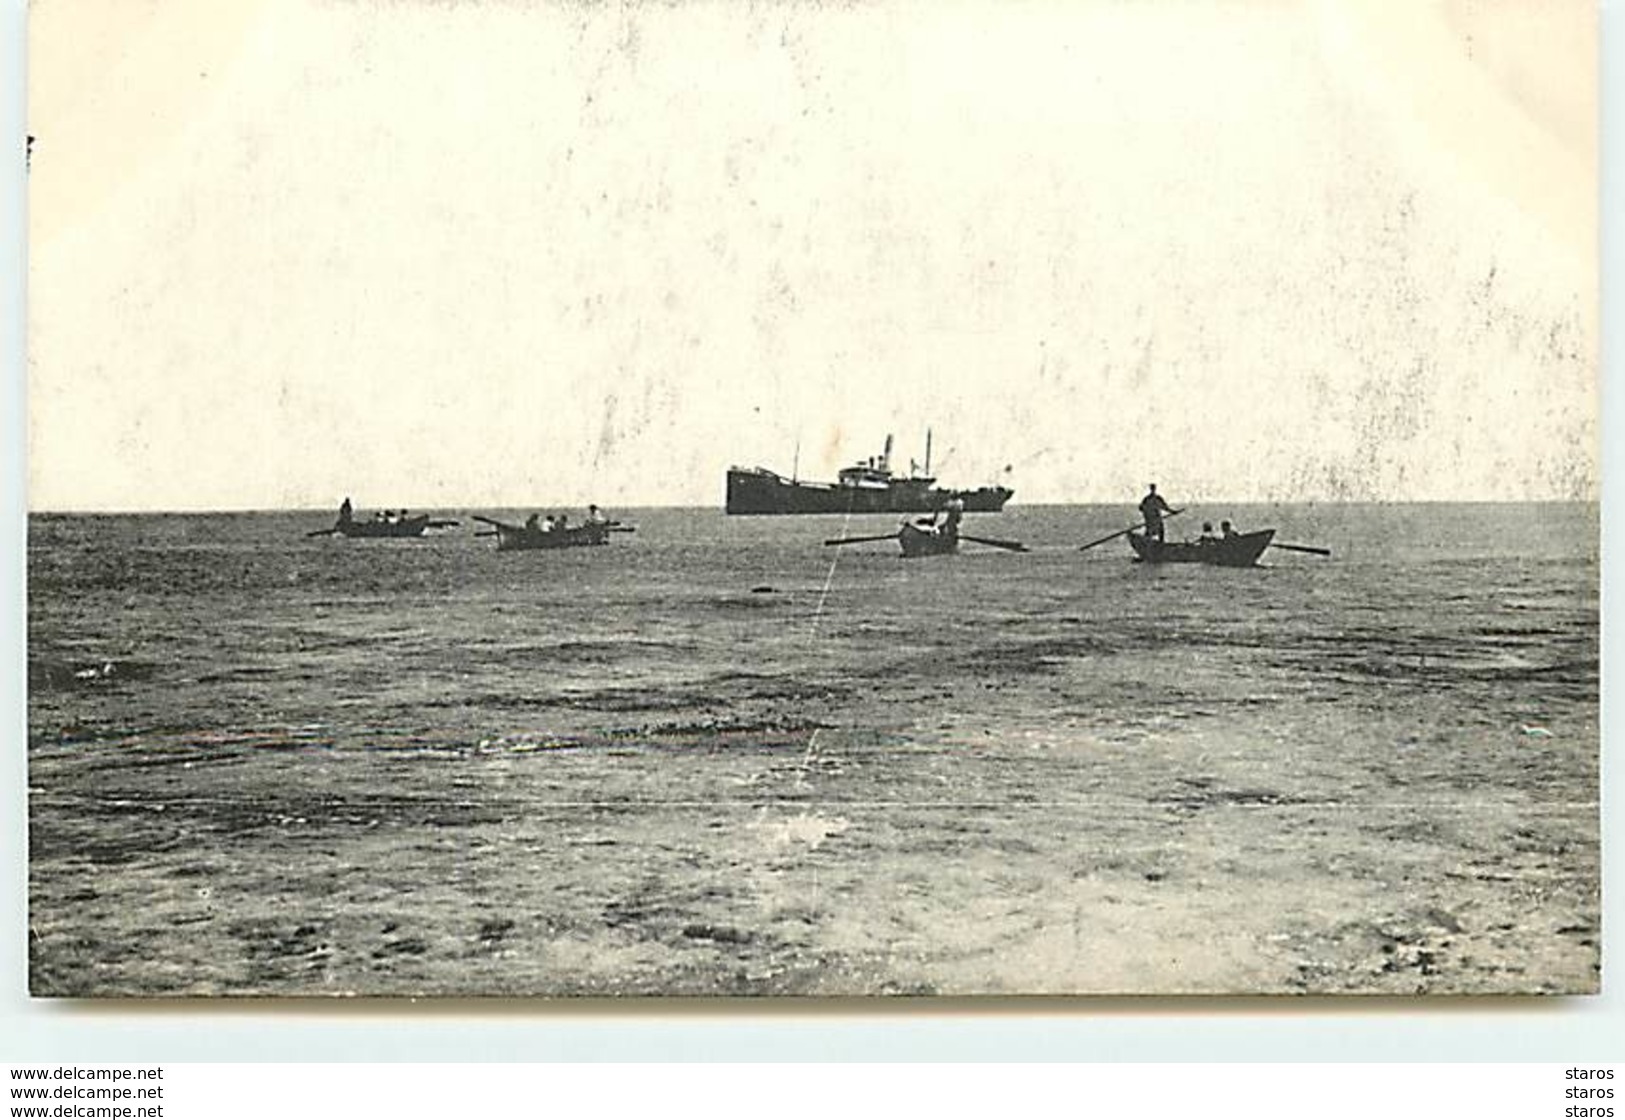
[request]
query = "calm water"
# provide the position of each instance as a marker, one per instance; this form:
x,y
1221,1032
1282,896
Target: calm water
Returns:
x,y
158,627
1449,650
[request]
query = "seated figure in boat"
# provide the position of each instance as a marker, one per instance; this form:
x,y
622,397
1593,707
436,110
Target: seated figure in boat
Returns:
x,y
1226,530
595,516
533,523
1207,537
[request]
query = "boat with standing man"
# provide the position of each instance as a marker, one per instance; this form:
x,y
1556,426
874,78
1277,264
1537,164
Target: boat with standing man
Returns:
x,y
1225,549
384,524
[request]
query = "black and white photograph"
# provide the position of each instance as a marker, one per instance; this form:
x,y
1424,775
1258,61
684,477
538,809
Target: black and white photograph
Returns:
x,y
812,499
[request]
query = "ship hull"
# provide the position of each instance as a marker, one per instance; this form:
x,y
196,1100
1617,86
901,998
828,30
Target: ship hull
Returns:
x,y
761,492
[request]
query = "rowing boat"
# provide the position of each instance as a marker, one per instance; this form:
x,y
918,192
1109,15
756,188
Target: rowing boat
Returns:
x,y
927,539
522,538
380,525
406,527
1239,551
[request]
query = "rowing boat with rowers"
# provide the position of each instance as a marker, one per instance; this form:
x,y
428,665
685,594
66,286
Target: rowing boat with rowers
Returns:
x,y
382,525
926,539
533,536
1239,550
928,536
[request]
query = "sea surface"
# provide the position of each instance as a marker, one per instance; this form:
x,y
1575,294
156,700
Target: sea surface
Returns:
x,y
717,757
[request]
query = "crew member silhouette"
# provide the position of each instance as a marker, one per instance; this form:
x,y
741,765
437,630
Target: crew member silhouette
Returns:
x,y
1152,507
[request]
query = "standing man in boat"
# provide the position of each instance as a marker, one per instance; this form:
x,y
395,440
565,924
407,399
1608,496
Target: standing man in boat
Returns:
x,y
951,515
1152,507
346,513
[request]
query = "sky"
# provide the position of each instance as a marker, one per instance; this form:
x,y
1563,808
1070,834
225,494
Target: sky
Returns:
x,y
443,255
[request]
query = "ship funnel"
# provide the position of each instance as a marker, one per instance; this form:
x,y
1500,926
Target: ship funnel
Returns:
x,y
885,456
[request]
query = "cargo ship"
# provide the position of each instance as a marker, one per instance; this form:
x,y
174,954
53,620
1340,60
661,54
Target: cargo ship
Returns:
x,y
868,486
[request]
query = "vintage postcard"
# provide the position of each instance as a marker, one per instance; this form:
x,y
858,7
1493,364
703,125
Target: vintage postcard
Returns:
x,y
812,499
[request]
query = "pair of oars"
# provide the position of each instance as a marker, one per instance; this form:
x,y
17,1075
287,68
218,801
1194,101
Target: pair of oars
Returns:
x,y
1011,546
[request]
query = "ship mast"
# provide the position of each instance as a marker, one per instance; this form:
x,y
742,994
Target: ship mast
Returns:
x,y
928,452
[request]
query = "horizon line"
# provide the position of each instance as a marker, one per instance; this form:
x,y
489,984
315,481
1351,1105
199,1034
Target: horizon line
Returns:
x,y
32,511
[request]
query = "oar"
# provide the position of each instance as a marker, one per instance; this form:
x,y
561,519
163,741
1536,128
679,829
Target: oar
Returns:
x,y
442,524
486,533
861,540
487,520
623,528
321,533
1013,546
1123,532
1309,548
